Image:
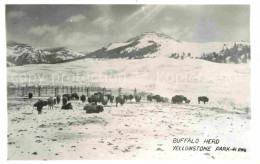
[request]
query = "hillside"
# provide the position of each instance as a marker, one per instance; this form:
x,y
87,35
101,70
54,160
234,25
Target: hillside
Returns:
x,y
22,54
152,44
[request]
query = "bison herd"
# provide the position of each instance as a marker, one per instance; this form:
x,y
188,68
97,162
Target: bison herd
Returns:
x,y
93,100
104,99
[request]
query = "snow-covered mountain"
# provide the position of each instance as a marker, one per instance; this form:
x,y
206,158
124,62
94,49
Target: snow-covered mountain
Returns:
x,y
21,54
153,44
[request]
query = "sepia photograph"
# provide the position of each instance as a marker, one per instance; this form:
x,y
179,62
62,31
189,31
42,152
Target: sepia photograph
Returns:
x,y
128,81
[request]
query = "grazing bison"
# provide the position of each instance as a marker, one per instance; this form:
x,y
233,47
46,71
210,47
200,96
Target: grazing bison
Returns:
x,y
120,99
39,104
157,98
126,97
105,100
30,95
203,99
45,103
55,100
74,96
67,106
98,98
83,98
149,98
67,95
164,99
110,97
131,97
138,98
58,99
93,108
64,100
178,99
50,101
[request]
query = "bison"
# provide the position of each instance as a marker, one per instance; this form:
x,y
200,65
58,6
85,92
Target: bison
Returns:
x,y
138,98
157,98
58,99
149,98
74,96
30,95
39,104
110,97
93,108
131,97
105,100
64,100
98,98
67,106
45,103
126,97
178,99
67,95
83,98
51,102
203,99
120,99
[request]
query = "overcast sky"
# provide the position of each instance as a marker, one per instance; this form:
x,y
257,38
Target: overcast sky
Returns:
x,y
89,27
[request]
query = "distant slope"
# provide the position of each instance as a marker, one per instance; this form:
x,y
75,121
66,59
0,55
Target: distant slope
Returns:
x,y
152,44
21,54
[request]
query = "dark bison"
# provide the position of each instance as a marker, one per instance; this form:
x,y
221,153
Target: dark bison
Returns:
x,y
138,98
95,98
178,99
58,99
105,100
74,96
83,98
157,98
64,100
203,99
45,103
93,108
30,95
120,99
126,97
110,97
51,102
67,106
149,98
131,97
67,95
39,104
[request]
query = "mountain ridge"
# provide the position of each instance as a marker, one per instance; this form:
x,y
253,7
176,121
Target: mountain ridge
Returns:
x,y
145,45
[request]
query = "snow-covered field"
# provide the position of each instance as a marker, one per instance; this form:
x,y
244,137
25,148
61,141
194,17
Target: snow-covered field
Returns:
x,y
225,84
133,131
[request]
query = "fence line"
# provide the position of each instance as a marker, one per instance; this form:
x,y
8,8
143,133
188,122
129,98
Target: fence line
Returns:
x,y
47,90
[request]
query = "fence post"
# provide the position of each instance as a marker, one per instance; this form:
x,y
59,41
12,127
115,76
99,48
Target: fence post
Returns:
x,y
22,91
39,89
71,90
26,89
18,89
88,91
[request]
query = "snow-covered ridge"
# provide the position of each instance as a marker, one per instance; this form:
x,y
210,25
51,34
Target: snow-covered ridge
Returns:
x,y
153,44
20,54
